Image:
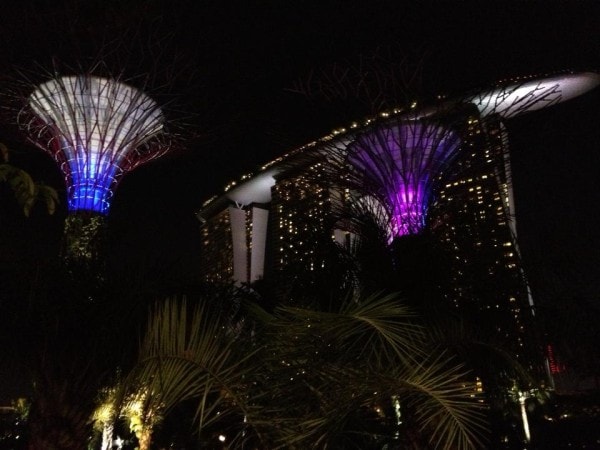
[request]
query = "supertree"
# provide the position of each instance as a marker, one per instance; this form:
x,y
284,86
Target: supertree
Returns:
x,y
384,176
398,165
97,129
400,169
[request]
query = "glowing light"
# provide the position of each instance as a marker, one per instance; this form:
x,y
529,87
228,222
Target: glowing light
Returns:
x,y
256,189
555,366
531,95
97,129
398,164
522,398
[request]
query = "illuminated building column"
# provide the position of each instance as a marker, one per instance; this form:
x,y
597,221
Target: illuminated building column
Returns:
x,y
260,219
249,240
237,217
400,159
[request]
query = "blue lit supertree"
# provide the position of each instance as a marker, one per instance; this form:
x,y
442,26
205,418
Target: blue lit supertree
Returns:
x,y
96,129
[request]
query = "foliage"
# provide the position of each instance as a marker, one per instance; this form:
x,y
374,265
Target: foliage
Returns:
x,y
187,353
57,420
333,375
21,406
26,191
83,236
300,378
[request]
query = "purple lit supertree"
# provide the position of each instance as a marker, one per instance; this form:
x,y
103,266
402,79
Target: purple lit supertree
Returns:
x,y
390,169
97,129
398,165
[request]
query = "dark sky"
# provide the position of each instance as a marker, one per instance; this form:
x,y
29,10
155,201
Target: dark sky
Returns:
x,y
226,66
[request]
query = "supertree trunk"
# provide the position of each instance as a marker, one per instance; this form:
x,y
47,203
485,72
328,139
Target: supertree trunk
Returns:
x,y
82,251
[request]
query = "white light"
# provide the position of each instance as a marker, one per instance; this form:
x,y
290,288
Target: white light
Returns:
x,y
222,438
522,398
515,99
97,111
255,190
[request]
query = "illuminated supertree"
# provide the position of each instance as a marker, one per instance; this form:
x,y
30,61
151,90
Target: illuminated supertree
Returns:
x,y
398,164
97,129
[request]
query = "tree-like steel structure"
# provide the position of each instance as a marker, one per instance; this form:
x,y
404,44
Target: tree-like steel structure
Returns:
x,y
398,164
97,129
394,162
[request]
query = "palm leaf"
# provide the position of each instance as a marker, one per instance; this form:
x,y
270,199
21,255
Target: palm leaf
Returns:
x,y
444,403
48,195
26,191
379,329
485,357
327,371
192,356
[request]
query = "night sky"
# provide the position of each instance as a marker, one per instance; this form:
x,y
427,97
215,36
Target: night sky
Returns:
x,y
227,68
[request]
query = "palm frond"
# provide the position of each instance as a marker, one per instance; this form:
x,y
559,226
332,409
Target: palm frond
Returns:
x,y
328,371
26,191
444,403
192,356
482,354
378,328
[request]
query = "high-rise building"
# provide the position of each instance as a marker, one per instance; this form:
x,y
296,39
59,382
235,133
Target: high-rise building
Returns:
x,y
473,220
444,168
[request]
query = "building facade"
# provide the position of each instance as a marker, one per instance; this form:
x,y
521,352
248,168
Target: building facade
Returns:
x,y
473,219
279,218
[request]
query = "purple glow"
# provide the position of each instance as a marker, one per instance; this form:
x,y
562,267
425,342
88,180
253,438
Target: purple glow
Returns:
x,y
398,165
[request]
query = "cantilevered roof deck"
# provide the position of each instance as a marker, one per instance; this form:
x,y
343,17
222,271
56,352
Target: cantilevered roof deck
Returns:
x,y
507,98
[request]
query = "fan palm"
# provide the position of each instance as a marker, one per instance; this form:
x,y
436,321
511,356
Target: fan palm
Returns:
x,y
341,379
306,378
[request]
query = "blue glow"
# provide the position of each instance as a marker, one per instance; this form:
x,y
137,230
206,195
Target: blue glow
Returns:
x,y
92,175
99,129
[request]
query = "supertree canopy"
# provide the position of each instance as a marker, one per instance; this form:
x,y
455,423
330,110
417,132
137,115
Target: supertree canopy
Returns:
x,y
97,129
398,165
